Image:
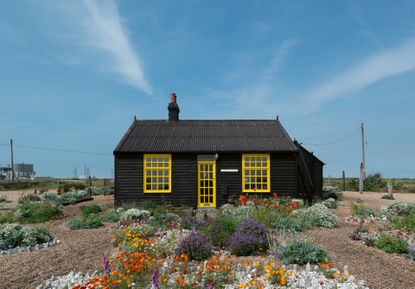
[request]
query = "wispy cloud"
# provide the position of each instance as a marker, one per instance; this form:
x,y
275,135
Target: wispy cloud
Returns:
x,y
374,68
98,25
257,93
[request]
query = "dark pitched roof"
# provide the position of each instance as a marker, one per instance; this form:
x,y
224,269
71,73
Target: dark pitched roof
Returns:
x,y
206,136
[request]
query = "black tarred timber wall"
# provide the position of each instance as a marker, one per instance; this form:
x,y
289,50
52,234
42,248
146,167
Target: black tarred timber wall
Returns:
x,y
315,168
129,178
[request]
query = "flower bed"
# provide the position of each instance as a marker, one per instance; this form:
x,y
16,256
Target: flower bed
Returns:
x,y
154,256
17,239
396,234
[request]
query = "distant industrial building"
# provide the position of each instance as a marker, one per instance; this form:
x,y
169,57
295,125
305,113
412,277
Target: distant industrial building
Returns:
x,y
5,173
21,171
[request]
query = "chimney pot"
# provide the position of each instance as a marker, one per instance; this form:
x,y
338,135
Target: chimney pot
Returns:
x,y
173,97
173,108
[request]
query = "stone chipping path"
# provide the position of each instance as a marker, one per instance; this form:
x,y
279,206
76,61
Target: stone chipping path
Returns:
x,y
379,269
79,250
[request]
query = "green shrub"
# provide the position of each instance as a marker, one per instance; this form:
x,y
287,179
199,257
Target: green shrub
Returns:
x,y
91,209
220,230
391,244
299,251
405,223
361,211
36,212
240,213
291,224
148,205
52,197
14,235
265,215
111,215
105,190
387,197
400,208
374,183
73,196
75,223
164,219
93,221
159,210
318,215
89,222
73,186
331,203
31,198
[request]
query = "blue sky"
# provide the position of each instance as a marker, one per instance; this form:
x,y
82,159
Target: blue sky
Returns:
x,y
74,73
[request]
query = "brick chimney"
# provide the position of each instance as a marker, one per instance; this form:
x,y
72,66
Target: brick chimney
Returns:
x,y
173,108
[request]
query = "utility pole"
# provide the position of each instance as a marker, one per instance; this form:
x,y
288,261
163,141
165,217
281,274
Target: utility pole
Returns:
x,y
11,158
344,181
362,164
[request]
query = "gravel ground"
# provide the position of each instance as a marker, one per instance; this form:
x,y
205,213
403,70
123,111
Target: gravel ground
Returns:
x,y
380,270
80,250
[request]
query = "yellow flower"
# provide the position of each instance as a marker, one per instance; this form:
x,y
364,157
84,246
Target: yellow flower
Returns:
x,y
268,267
267,276
283,281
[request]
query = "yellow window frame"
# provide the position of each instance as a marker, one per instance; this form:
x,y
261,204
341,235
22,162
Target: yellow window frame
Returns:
x,y
254,165
154,166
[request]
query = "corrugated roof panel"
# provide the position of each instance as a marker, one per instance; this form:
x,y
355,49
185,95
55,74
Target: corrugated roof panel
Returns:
x,y
205,136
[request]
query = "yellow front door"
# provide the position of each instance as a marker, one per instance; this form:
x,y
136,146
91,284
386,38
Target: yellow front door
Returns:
x,y
206,171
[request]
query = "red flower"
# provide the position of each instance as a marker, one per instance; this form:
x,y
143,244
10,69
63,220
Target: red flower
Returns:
x,y
275,195
243,199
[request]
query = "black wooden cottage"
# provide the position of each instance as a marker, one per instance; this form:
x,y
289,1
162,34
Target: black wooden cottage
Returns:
x,y
204,163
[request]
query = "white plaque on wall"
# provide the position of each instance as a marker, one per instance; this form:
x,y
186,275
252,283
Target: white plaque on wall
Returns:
x,y
229,170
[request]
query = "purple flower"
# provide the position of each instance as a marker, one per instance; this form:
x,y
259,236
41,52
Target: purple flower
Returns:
x,y
197,245
210,286
105,262
155,280
250,238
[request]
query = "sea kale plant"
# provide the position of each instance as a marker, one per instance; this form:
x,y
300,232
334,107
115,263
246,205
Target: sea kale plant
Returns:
x,y
291,224
196,245
318,215
298,251
250,238
399,208
331,203
14,235
135,215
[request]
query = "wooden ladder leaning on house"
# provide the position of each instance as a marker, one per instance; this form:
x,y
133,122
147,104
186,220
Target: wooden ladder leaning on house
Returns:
x,y
305,174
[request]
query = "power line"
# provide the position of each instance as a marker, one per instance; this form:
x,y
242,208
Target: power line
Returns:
x,y
62,150
336,141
